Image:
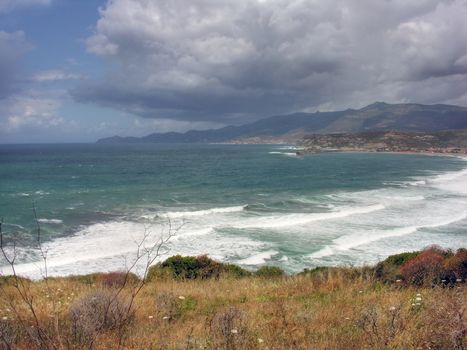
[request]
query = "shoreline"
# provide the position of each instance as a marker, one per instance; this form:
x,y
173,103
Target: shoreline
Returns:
x,y
303,152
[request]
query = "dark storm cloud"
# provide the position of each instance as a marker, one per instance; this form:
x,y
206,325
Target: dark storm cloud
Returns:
x,y
227,61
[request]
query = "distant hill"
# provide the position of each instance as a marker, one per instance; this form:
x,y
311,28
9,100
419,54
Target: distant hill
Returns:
x,y
288,128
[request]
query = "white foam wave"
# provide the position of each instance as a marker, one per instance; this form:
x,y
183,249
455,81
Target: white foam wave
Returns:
x,y
455,181
289,154
196,213
289,147
50,221
183,214
41,193
347,242
98,243
279,221
112,246
257,259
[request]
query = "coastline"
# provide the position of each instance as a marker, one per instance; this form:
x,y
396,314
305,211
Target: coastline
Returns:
x,y
303,152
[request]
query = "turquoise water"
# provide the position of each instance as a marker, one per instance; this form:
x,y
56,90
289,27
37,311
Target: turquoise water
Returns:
x,y
248,204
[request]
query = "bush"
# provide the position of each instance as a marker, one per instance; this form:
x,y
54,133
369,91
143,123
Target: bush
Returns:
x,y
456,265
315,270
436,249
117,279
190,267
400,259
426,267
97,312
269,271
235,271
388,270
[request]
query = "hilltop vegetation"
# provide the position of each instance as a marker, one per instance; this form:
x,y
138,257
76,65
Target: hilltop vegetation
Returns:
x,y
408,301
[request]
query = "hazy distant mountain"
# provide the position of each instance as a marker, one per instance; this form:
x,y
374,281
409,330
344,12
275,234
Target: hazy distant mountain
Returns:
x,y
377,116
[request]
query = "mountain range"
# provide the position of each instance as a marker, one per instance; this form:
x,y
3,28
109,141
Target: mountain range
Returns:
x,y
378,116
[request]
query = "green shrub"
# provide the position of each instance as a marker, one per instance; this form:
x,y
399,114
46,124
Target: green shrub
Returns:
x,y
235,271
190,267
269,271
400,259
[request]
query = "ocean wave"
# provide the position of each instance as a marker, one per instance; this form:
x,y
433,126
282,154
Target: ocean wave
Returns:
x,y
289,154
257,259
111,246
347,242
183,214
286,220
187,214
50,221
41,193
453,181
289,147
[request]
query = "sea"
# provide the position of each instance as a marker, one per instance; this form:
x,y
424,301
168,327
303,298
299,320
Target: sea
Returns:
x,y
97,205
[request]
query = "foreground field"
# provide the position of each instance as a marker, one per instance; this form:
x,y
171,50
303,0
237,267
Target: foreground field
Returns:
x,y
340,308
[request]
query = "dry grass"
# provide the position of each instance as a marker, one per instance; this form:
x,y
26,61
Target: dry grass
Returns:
x,y
338,310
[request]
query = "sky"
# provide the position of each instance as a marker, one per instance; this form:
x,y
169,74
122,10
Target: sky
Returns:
x,y
79,70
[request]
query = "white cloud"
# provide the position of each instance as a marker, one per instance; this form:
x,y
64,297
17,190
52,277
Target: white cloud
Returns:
x,y
36,111
10,5
223,60
55,75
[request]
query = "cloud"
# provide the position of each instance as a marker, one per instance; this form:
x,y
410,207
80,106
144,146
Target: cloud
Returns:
x,y
10,5
12,47
55,75
229,61
29,111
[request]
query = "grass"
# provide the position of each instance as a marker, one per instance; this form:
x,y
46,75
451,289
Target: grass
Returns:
x,y
332,308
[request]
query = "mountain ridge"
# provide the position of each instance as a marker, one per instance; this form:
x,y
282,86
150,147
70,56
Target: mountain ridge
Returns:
x,y
291,127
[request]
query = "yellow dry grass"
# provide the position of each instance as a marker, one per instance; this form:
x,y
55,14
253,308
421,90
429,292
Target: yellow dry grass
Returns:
x,y
323,311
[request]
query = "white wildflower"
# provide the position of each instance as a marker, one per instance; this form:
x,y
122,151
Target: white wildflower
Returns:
x,y
260,340
234,331
181,297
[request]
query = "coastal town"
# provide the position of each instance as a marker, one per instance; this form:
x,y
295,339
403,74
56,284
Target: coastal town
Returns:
x,y
445,142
